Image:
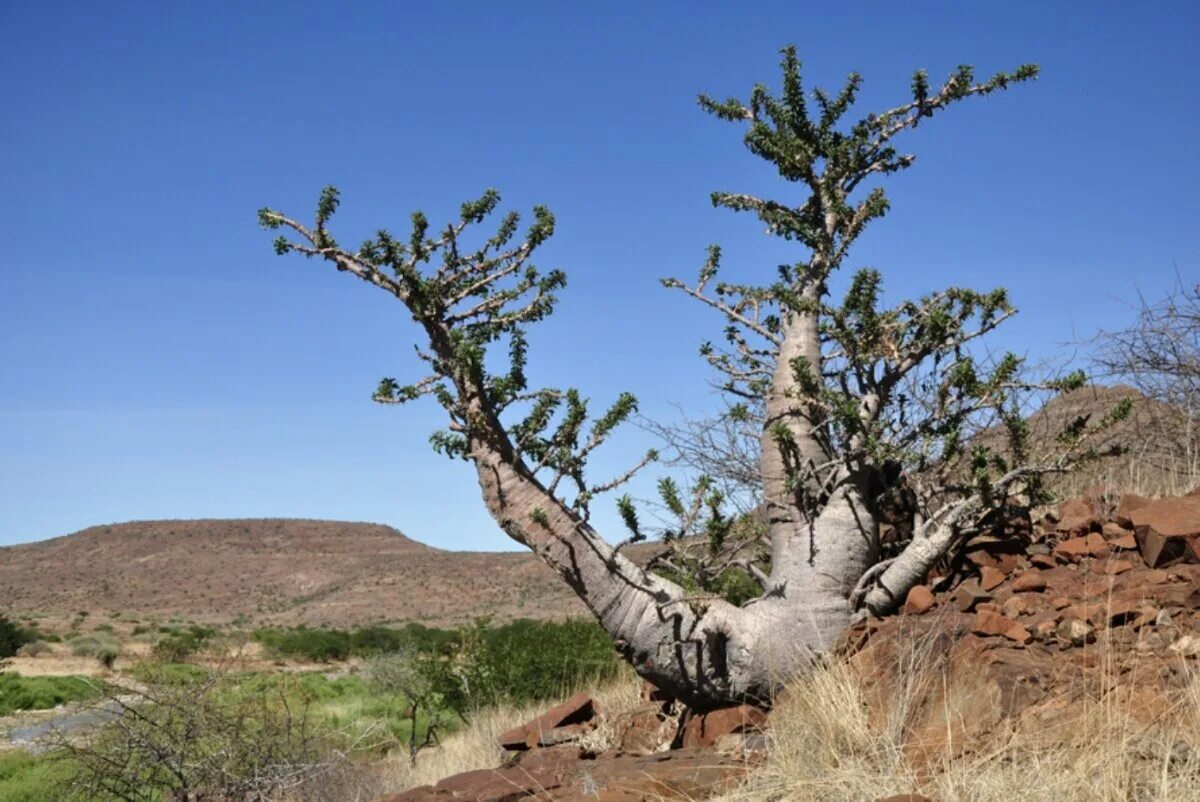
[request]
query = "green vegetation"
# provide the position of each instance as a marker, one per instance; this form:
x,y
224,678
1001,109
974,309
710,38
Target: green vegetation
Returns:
x,y
41,693
520,662
32,778
13,637
180,644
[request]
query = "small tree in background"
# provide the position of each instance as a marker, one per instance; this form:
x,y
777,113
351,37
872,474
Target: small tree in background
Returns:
x,y
1159,353
854,401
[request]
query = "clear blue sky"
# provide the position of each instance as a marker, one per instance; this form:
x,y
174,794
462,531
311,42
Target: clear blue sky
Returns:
x,y
157,360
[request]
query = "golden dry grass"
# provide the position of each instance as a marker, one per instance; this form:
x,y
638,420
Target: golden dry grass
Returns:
x,y
825,744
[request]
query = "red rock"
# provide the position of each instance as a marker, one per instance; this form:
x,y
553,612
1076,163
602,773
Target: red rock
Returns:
x,y
1091,545
1170,517
1007,563
988,622
1130,503
1092,612
1112,529
1018,633
1159,549
1060,602
1114,567
1075,508
1155,577
1042,561
1029,582
578,709
990,578
919,600
969,595
1125,542
704,729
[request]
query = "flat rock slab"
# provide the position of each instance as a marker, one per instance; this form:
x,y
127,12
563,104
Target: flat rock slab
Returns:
x,y
579,709
564,774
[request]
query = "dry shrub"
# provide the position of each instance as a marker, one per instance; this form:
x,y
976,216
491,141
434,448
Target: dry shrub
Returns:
x,y
835,735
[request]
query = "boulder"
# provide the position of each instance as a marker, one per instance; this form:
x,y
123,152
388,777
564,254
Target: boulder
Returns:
x,y
919,600
1168,529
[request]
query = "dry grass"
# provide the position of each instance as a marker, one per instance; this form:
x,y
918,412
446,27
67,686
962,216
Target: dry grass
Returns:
x,y
475,745
835,737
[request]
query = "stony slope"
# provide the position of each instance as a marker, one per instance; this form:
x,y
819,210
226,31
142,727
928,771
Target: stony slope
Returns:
x,y
274,571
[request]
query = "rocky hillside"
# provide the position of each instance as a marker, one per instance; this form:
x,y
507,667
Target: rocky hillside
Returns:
x,y
274,571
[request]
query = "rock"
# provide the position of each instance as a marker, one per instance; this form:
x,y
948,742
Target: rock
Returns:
x,y
705,729
645,730
1074,508
1044,630
1073,632
1029,582
990,623
1042,561
990,578
1076,548
1130,503
919,600
1112,529
1160,549
1060,603
563,774
1124,542
969,594
1014,606
1116,567
577,710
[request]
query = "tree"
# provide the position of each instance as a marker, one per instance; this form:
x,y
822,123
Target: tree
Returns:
x,y
859,404
1160,351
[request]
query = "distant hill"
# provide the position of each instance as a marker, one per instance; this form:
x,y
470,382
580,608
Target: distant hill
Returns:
x,y
277,571
1161,442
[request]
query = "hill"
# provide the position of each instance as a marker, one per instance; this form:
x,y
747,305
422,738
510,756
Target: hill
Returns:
x,y
274,571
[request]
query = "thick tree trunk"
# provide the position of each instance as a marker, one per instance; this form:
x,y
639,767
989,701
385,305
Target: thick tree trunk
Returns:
x,y
700,648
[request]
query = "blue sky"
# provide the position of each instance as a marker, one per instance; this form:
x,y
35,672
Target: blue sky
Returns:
x,y
158,361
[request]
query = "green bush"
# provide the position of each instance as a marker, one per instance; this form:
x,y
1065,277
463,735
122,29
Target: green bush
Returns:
x,y
42,693
302,643
180,644
527,661
13,637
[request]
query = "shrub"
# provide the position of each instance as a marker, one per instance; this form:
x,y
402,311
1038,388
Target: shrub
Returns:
x,y
180,644
34,648
213,731
317,645
527,661
101,646
13,637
